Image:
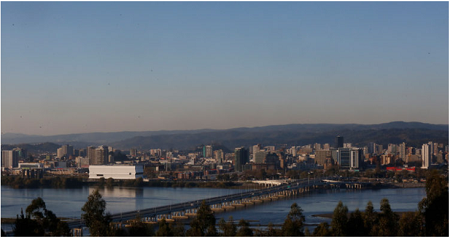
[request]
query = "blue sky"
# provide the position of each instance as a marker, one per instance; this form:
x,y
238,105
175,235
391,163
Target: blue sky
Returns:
x,y
74,67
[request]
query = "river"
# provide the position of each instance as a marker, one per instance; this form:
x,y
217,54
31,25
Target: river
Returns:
x,y
68,202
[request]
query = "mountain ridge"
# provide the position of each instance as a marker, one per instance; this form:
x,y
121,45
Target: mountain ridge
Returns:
x,y
292,134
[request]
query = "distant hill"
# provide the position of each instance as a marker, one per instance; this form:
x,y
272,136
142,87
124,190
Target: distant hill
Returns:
x,y
235,138
413,133
35,148
95,138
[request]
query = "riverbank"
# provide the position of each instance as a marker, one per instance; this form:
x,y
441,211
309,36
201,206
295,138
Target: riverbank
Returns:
x,y
60,182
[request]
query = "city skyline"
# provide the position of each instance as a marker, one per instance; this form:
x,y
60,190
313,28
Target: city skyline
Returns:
x,y
79,67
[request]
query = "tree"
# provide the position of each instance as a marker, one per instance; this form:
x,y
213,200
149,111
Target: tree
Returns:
x,y
45,219
339,220
323,229
355,225
272,231
164,228
387,220
177,229
435,206
244,229
228,228
293,225
94,215
410,224
138,228
307,233
25,226
204,223
370,219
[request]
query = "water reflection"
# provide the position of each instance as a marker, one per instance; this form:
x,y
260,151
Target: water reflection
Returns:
x,y
122,192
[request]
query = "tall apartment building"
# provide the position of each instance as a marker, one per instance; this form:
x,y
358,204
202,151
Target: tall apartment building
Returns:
x,y
218,156
64,151
255,149
402,151
240,158
10,159
427,154
356,157
101,155
91,155
207,151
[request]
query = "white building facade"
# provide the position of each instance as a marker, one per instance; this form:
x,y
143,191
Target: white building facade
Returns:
x,y
116,171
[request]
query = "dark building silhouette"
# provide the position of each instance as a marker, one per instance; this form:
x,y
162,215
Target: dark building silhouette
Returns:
x,y
241,158
339,141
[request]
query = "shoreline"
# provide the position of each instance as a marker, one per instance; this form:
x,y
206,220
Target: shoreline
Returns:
x,y
330,215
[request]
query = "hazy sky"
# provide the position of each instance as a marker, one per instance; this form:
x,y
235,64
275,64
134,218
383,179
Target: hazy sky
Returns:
x,y
75,67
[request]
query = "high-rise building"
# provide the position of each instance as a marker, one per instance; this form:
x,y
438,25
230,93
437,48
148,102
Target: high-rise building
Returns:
x,y
372,146
255,149
240,158
293,151
321,156
392,149
379,149
269,148
91,155
208,151
426,155
344,158
356,156
326,146
402,151
59,153
133,152
10,159
101,155
339,143
218,155
64,151
317,146
260,157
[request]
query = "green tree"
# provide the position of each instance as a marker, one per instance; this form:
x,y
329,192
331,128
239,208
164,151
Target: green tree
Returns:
x,y
25,226
109,182
387,220
307,233
435,206
271,231
323,229
139,228
293,225
164,228
339,220
410,224
46,219
244,228
177,229
94,215
228,228
370,219
204,223
355,225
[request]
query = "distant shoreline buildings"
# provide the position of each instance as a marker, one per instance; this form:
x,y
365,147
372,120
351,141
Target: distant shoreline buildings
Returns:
x,y
207,162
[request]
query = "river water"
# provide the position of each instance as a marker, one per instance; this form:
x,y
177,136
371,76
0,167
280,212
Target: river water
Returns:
x,y
68,202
